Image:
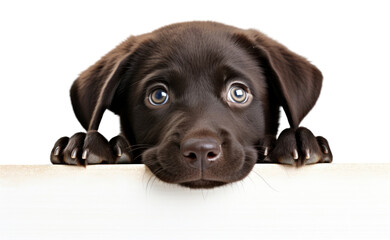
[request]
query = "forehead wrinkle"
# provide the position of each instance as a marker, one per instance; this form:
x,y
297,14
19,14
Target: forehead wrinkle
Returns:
x,y
142,83
160,75
195,65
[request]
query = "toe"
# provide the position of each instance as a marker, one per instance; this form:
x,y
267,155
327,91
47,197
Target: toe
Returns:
x,y
266,147
285,150
96,149
73,151
56,155
308,146
327,156
122,150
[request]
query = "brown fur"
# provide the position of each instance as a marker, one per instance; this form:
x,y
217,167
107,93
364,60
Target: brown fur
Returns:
x,y
197,61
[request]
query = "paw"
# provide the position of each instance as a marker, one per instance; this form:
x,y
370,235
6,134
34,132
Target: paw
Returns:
x,y
90,148
296,147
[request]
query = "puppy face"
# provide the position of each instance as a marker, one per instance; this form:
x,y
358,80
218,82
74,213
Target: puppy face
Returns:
x,y
201,109
196,99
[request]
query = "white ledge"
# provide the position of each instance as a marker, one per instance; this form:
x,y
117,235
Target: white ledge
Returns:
x,y
323,201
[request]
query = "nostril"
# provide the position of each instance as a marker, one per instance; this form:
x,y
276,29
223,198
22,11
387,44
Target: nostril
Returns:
x,y
190,155
213,155
197,150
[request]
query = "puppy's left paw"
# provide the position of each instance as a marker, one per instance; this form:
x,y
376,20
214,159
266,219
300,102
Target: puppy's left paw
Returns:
x,y
299,147
90,148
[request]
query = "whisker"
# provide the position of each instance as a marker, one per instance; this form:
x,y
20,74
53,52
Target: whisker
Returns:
x,y
139,156
241,184
250,178
154,180
138,148
142,144
147,184
203,195
269,185
154,177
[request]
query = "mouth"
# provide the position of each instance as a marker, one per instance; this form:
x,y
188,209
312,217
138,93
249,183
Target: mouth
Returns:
x,y
201,183
183,178
176,172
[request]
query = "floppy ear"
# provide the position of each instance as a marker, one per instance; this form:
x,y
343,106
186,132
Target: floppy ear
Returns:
x,y
294,80
93,92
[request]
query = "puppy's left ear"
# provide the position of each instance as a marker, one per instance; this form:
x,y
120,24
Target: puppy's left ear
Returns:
x,y
96,88
294,80
93,92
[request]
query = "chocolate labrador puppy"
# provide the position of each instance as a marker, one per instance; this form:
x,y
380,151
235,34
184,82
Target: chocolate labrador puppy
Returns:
x,y
198,104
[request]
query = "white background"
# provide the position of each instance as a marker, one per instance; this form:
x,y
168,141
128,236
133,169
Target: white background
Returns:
x,y
44,45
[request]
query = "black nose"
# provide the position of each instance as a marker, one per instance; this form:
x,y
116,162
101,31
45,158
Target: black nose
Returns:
x,y
201,152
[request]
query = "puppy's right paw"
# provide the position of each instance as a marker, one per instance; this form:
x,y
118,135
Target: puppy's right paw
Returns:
x,y
90,148
297,147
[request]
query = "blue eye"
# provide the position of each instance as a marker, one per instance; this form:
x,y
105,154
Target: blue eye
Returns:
x,y
237,94
158,97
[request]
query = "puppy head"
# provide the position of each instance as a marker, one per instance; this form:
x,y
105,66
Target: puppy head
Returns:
x,y
201,97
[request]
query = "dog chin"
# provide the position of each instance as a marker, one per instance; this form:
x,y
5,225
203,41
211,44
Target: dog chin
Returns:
x,y
187,177
201,183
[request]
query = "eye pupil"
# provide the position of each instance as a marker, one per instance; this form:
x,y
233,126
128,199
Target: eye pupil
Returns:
x,y
158,97
237,95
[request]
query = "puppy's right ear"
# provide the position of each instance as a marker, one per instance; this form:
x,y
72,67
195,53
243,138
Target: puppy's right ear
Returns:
x,y
93,92
294,81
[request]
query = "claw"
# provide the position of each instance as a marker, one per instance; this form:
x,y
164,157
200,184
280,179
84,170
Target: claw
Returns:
x,y
266,151
118,151
307,154
295,154
57,151
73,155
325,149
85,154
